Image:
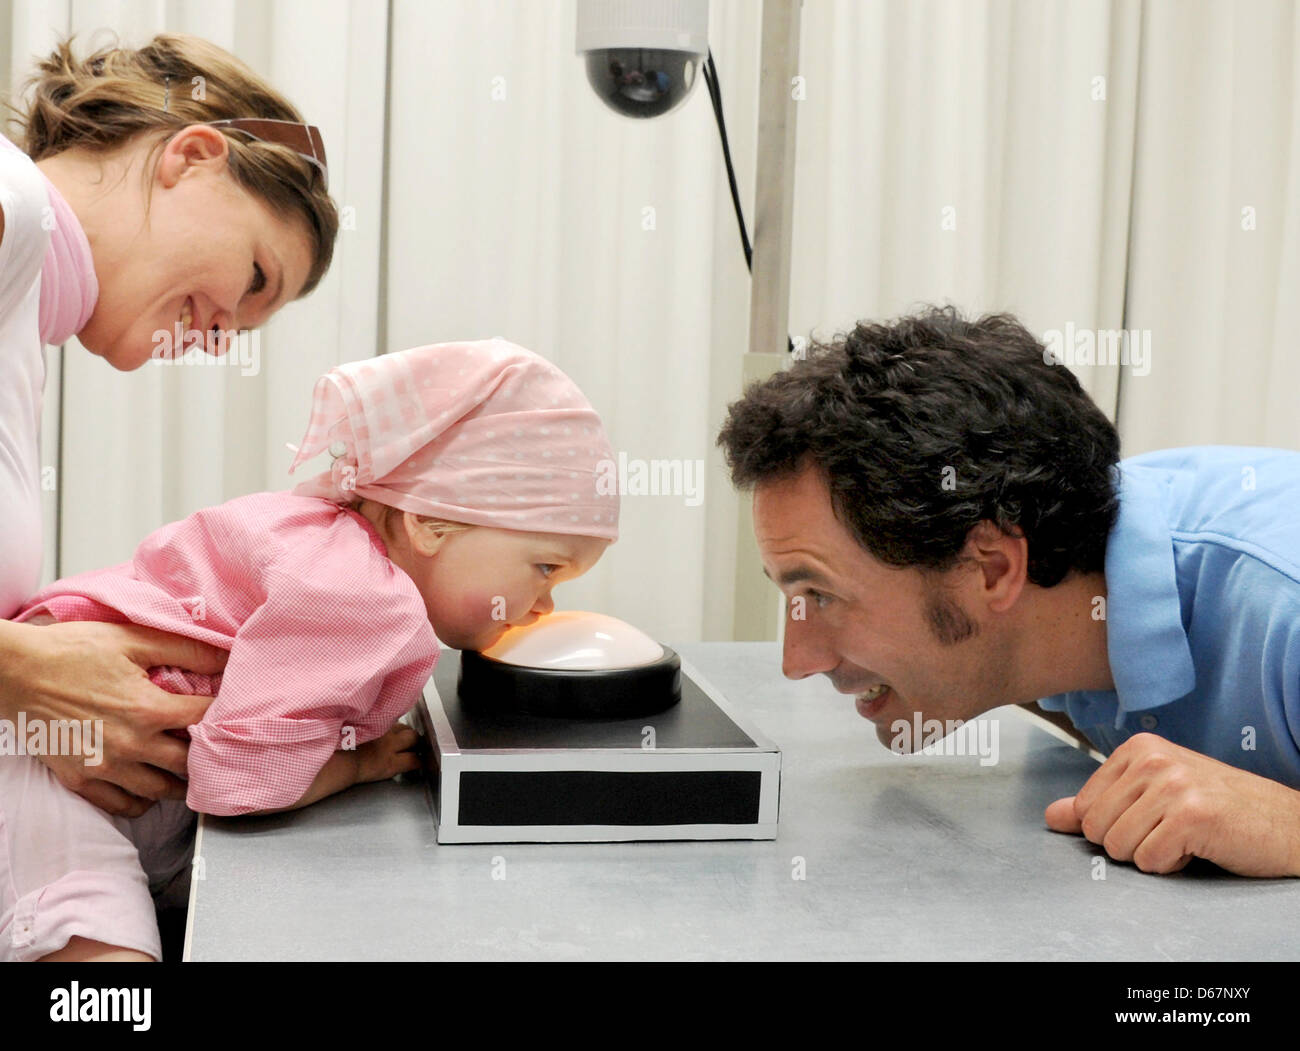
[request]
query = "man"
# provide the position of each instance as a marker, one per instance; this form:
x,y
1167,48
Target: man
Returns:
x,y
944,507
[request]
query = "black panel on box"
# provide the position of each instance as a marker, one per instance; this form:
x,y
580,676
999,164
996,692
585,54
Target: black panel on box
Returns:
x,y
694,723
606,797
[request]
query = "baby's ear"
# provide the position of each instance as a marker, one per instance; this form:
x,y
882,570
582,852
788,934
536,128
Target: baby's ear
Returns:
x,y
423,534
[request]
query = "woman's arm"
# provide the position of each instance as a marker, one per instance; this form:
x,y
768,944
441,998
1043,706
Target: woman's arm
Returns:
x,y
98,672
376,760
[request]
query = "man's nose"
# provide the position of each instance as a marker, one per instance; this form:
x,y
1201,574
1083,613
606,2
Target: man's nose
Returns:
x,y
804,653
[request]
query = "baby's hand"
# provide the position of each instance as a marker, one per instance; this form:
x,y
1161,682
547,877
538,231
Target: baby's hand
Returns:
x,y
387,756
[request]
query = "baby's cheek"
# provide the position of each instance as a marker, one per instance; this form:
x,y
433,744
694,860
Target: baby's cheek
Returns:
x,y
454,611
480,606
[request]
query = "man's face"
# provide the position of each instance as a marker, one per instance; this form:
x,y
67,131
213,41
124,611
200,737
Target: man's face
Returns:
x,y
862,623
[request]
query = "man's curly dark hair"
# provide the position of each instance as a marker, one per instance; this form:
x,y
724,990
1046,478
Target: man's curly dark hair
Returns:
x,y
884,411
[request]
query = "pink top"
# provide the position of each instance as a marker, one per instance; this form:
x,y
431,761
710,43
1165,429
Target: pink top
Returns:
x,y
324,633
48,291
69,286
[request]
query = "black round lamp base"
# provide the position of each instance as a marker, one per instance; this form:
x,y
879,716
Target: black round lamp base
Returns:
x,y
488,685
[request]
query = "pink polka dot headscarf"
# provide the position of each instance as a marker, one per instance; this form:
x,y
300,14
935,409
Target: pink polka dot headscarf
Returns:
x,y
486,433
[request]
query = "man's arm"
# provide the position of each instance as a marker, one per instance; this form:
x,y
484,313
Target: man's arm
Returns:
x,y
1158,805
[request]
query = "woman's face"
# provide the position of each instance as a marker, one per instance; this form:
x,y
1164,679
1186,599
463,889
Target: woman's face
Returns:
x,y
206,256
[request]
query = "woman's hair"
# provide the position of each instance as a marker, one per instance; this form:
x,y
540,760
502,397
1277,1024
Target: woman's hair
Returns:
x,y
115,94
927,426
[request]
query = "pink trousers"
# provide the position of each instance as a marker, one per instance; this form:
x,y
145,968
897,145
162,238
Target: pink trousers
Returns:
x,y
68,868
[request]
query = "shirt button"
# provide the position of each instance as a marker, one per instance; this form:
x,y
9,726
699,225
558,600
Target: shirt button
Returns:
x,y
1149,722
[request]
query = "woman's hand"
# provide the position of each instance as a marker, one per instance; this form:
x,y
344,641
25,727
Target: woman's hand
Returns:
x,y
98,671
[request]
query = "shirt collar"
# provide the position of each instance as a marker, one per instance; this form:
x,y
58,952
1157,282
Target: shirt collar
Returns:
x,y
1146,644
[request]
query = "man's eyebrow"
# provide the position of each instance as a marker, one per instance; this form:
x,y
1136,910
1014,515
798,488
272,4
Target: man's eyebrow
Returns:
x,y
797,574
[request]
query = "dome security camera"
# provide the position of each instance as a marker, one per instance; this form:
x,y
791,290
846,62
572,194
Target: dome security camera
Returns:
x,y
643,56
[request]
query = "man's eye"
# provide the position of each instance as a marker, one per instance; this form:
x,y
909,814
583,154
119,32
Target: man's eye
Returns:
x,y
798,605
259,280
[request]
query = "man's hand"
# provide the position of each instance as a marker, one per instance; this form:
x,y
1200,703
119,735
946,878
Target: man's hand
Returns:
x,y
98,671
1159,805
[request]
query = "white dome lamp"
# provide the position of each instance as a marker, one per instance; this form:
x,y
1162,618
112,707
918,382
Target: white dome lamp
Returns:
x,y
574,665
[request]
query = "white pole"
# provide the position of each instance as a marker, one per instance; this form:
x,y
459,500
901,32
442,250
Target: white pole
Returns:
x,y
757,607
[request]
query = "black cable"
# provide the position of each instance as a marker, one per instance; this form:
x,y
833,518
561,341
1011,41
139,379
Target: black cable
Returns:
x,y
710,70
714,84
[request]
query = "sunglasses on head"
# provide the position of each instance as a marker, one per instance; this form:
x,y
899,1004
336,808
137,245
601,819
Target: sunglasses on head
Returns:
x,y
303,139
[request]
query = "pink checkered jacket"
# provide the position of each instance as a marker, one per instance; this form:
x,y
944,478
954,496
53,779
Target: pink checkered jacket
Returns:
x,y
329,641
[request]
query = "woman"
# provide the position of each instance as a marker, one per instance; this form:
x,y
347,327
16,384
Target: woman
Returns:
x,y
148,187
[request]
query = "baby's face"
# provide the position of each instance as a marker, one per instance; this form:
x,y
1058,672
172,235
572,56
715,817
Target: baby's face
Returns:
x,y
483,581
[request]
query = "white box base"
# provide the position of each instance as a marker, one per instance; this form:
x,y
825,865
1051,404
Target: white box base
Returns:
x,y
692,772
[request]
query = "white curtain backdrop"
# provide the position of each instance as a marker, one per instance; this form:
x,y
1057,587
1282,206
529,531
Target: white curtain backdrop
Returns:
x,y
1082,163
1215,264
959,152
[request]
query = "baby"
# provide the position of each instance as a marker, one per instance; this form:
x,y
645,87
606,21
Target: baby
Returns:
x,y
463,489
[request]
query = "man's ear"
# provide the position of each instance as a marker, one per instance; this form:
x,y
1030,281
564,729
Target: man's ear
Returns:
x,y
424,537
1003,560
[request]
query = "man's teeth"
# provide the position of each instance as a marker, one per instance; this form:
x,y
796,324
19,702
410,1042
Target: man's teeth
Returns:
x,y
873,693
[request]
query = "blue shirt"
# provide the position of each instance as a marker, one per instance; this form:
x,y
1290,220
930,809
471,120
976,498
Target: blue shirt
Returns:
x,y
1203,609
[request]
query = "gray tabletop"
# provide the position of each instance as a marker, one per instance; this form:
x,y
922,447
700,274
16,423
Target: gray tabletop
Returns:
x,y
934,857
